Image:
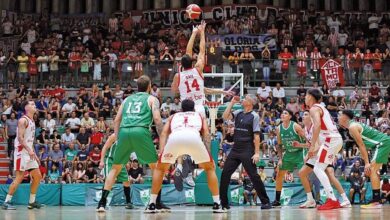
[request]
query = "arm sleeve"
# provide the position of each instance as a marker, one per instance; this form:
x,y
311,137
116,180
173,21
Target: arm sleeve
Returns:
x,y
256,123
235,113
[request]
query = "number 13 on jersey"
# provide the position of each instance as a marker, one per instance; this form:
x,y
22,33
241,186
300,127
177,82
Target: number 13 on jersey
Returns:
x,y
134,108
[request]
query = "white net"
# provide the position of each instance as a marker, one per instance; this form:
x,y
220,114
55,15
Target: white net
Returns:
x,y
225,81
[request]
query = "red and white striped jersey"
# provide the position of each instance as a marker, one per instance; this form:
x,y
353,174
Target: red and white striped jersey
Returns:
x,y
328,127
315,60
300,55
29,134
186,120
191,86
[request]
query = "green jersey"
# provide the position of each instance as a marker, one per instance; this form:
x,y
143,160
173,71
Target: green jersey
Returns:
x,y
136,111
372,138
288,135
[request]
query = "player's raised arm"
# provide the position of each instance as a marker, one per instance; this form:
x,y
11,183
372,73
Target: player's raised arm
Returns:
x,y
110,141
202,48
155,106
191,41
227,114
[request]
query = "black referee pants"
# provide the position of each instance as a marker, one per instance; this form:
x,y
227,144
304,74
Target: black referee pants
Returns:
x,y
232,162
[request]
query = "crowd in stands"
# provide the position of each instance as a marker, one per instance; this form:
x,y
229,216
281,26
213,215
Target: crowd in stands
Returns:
x,y
74,51
94,48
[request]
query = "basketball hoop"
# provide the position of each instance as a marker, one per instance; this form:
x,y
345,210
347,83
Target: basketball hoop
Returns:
x,y
213,111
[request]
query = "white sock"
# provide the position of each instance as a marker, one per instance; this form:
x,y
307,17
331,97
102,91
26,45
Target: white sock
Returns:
x,y
180,167
153,198
32,198
309,196
8,198
319,170
216,199
344,196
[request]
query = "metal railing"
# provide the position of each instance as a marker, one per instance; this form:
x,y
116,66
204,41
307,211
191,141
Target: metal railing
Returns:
x,y
162,72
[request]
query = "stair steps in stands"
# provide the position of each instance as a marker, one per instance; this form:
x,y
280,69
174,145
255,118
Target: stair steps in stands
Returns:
x,y
4,163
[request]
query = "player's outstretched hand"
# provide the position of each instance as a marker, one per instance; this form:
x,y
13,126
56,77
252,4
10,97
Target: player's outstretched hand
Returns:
x,y
367,169
235,99
255,158
229,93
101,165
202,26
195,29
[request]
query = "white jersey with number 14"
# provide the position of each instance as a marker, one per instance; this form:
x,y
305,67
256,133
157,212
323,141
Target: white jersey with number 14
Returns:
x,y
191,86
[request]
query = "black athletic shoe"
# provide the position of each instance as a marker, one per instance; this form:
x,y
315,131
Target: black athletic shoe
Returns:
x,y
217,208
34,205
151,208
276,204
129,206
266,206
178,180
187,164
101,206
161,207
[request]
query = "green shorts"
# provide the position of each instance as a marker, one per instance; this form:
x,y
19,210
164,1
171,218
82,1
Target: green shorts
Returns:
x,y
292,160
138,140
381,154
122,177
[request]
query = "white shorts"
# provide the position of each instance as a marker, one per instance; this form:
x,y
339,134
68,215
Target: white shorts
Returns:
x,y
185,142
329,149
201,110
22,161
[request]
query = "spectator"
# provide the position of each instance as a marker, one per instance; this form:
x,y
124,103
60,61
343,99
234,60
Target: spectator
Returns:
x,y
129,91
293,106
289,177
43,67
73,123
66,176
105,108
10,132
374,94
357,186
56,157
285,56
94,156
156,92
167,105
68,108
385,191
278,93
42,141
54,108
43,170
54,174
87,122
42,107
249,190
228,141
301,55
135,173
78,173
247,57
22,67
266,58
8,27
90,174
262,174
81,107
96,137
176,105
101,124
373,27
11,64
67,138
263,92
354,98
83,138
338,93
53,59
70,156
82,155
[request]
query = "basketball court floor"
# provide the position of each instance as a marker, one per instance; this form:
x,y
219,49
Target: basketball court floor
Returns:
x,y
193,213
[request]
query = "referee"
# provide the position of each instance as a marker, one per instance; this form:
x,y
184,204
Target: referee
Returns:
x,y
245,149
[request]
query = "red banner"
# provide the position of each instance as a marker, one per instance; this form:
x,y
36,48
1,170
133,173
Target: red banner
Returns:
x,y
331,73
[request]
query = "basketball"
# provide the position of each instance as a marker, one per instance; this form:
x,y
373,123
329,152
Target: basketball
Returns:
x,y
193,11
